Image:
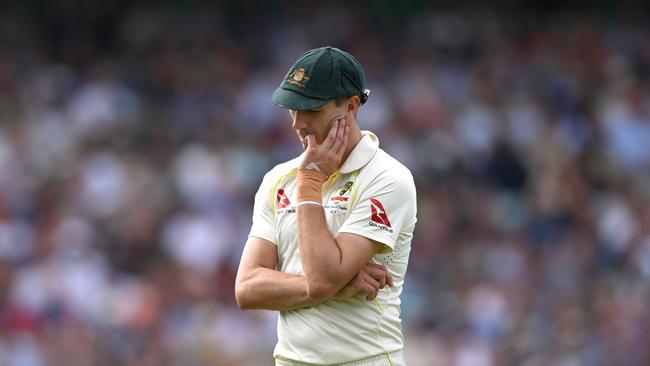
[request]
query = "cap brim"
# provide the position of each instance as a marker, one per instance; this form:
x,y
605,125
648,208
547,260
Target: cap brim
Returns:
x,y
290,99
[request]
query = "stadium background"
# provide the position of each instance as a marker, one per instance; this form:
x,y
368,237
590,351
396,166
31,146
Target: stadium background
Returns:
x,y
132,139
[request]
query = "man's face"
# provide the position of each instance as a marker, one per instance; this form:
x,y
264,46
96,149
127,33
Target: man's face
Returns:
x,y
316,122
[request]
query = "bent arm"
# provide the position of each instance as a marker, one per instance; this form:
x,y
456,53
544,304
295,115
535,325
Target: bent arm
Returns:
x,y
260,286
329,262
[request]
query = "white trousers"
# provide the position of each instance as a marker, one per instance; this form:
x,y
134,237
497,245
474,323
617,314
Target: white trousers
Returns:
x,y
386,359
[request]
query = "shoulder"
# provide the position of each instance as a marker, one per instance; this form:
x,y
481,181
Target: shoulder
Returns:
x,y
385,174
384,167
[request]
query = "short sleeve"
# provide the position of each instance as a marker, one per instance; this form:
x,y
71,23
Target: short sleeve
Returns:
x,y
263,216
384,209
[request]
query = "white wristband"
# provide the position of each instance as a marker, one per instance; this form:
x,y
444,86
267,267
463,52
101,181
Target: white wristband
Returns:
x,y
308,203
312,166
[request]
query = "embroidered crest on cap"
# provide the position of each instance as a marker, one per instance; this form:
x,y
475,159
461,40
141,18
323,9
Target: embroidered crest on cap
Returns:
x,y
298,77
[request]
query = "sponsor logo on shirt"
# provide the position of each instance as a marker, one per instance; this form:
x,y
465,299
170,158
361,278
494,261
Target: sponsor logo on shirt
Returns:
x,y
338,203
346,187
282,203
281,199
378,216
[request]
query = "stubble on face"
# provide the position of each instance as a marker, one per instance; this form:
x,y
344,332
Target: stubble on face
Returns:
x,y
302,134
313,126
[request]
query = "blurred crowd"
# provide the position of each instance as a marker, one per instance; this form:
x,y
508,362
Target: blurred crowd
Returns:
x,y
132,141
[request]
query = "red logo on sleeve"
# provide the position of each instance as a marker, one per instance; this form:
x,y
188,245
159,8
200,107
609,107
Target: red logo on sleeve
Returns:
x,y
282,199
378,213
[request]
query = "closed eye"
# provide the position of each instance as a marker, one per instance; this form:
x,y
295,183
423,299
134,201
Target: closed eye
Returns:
x,y
311,112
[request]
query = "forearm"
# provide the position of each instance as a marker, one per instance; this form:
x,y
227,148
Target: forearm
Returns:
x,y
268,289
320,254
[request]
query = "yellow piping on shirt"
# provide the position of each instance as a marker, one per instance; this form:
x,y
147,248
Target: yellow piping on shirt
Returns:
x,y
354,190
379,304
292,172
331,179
389,360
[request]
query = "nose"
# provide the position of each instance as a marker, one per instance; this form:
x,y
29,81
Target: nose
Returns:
x,y
299,120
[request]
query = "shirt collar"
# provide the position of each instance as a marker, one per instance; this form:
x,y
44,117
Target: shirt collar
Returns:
x,y
362,153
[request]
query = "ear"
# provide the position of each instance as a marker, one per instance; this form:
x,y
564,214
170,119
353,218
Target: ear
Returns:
x,y
353,104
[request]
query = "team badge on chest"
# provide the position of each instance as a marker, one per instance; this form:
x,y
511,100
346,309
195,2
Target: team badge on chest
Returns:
x,y
343,195
338,202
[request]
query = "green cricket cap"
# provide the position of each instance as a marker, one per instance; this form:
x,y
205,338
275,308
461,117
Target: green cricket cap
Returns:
x,y
321,75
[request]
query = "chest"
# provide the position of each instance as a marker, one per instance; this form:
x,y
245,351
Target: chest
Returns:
x,y
338,200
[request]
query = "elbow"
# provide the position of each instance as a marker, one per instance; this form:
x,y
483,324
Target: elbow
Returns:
x,y
321,290
242,298
242,304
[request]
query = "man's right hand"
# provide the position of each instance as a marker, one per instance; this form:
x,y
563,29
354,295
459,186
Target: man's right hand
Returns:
x,y
371,279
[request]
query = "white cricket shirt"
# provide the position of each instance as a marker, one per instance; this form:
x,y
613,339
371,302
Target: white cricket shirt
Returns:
x,y
372,195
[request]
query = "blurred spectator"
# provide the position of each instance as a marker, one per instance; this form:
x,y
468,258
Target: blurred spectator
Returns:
x,y
133,138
